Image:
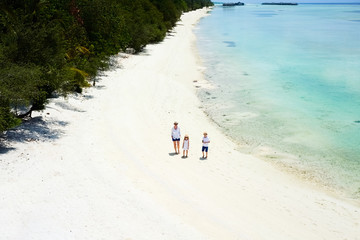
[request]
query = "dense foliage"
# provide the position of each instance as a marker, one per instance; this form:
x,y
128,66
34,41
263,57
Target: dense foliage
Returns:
x,y
57,45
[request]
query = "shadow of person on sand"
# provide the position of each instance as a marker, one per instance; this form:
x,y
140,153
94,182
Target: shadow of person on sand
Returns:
x,y
35,129
172,154
202,158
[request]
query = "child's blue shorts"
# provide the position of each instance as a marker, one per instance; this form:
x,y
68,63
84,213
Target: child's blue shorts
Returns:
x,y
205,149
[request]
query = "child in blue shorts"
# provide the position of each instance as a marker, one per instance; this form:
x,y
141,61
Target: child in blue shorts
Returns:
x,y
205,146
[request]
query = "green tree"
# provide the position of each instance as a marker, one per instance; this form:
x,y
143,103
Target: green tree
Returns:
x,y
58,45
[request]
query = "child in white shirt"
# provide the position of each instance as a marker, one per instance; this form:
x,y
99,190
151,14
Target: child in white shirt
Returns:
x,y
205,146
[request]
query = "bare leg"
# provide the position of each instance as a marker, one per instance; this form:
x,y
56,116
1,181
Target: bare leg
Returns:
x,y
203,154
187,152
175,146
206,155
178,146
183,153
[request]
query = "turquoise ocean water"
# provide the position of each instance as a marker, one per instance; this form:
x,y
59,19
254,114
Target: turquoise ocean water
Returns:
x,y
287,86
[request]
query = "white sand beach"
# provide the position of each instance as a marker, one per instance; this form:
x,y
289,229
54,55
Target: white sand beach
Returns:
x,y
101,166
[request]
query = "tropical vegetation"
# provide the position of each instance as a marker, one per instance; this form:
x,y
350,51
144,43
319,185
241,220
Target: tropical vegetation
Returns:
x,y
57,46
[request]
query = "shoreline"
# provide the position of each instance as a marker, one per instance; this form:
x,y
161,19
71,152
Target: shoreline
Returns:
x,y
103,167
290,164
271,137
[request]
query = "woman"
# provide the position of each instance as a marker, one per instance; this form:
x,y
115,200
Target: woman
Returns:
x,y
175,136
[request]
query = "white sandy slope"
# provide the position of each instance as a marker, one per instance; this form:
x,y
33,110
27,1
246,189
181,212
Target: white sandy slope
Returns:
x,y
99,166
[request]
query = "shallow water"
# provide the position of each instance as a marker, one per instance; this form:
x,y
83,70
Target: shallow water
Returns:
x,y
287,85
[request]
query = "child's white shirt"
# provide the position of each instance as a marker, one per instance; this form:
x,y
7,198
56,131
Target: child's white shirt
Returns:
x,y
206,141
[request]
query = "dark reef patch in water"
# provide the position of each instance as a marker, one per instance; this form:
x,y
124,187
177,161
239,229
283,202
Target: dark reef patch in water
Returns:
x,y
266,14
264,11
230,43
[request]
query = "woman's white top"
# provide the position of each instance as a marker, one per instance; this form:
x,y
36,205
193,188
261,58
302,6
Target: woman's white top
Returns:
x,y
186,145
175,133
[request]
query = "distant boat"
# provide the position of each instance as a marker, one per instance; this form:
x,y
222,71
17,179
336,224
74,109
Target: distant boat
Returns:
x,y
233,4
279,3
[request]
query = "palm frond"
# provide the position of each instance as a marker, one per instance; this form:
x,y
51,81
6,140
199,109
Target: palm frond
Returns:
x,y
81,72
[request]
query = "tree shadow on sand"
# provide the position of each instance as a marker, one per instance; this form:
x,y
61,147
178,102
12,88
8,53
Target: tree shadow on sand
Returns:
x,y
35,129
